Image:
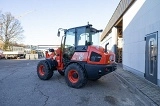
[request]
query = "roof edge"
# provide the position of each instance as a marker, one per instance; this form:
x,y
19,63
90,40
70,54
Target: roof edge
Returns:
x,y
122,7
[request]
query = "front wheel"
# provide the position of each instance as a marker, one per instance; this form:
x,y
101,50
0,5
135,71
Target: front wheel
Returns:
x,y
75,76
43,70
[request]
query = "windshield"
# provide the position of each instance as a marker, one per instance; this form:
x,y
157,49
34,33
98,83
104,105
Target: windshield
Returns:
x,y
81,36
95,39
85,35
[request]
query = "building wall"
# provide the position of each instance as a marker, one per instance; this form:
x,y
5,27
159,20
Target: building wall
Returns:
x,y
141,19
108,39
111,39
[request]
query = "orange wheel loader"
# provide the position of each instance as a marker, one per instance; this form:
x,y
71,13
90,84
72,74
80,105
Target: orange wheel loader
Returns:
x,y
78,59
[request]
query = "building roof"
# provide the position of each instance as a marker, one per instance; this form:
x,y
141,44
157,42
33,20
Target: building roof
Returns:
x,y
122,7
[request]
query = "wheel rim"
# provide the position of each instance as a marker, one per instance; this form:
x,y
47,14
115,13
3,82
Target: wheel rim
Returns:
x,y
73,76
41,70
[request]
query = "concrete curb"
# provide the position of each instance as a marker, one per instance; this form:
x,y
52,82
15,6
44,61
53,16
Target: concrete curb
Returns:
x,y
135,90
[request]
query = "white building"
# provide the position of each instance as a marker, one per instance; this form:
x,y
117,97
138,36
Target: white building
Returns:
x,y
133,33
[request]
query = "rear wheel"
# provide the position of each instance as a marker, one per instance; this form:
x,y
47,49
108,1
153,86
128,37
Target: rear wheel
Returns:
x,y
43,70
75,76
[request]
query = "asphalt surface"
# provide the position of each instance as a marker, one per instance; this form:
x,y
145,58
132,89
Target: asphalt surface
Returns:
x,y
20,86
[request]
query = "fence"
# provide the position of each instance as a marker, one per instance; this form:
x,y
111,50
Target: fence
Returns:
x,y
31,56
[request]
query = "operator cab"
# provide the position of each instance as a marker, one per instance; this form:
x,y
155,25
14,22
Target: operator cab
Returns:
x,y
77,38
83,35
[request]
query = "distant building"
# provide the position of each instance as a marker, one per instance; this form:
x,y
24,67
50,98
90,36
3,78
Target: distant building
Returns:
x,y
133,34
15,48
45,47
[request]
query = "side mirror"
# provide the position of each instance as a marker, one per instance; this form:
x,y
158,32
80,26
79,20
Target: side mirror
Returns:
x,y
100,30
58,34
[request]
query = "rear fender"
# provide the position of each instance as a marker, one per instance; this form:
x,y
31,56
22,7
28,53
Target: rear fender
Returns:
x,y
80,63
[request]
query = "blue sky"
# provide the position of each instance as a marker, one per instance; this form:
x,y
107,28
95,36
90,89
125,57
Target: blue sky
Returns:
x,y
41,19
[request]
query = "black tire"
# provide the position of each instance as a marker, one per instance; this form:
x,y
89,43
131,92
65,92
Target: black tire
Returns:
x,y
75,76
61,72
95,79
43,70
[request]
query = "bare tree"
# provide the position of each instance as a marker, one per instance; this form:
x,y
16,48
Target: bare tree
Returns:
x,y
11,30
